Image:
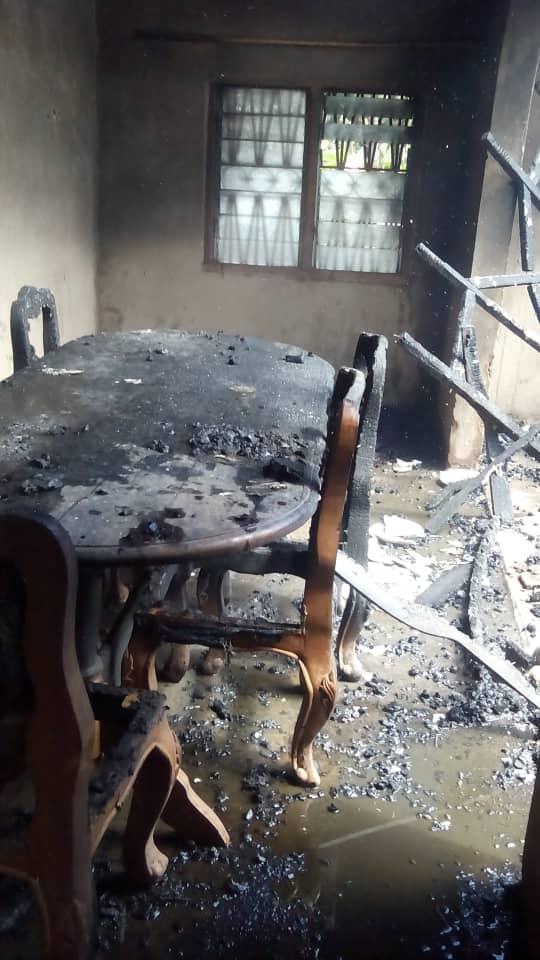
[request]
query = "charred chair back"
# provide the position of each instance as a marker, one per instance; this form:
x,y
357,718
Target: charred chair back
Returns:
x,y
214,579
370,358
63,792
308,639
32,302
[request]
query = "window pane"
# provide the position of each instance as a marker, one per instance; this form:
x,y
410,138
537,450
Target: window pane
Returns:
x,y
364,152
262,150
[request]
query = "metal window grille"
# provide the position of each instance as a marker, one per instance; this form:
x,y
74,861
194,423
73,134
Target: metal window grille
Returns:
x,y
262,149
364,152
358,180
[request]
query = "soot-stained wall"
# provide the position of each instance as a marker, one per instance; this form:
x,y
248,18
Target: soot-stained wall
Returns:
x,y
47,161
154,97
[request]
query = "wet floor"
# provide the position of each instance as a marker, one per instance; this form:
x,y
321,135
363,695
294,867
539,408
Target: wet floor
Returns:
x,y
410,847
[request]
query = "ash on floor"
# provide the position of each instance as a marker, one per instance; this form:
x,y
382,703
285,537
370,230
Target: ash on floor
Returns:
x,y
411,846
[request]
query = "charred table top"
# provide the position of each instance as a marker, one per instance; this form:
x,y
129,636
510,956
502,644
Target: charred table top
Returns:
x,y
159,446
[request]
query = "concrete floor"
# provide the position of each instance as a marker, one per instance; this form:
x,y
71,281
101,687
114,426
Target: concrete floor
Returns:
x,y
413,841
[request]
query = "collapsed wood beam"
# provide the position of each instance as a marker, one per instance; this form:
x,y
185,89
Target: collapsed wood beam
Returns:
x,y
485,407
501,499
424,620
478,578
497,282
451,500
527,243
514,171
445,586
490,306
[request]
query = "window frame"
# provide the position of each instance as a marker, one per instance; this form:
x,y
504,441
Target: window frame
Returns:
x,y
309,197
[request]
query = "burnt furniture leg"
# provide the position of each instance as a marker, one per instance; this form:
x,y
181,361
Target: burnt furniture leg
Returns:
x,y
89,610
189,816
142,859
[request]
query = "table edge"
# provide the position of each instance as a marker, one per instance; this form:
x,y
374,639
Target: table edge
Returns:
x,y
164,553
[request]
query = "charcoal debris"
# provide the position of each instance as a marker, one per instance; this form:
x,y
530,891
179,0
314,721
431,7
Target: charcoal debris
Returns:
x,y
228,440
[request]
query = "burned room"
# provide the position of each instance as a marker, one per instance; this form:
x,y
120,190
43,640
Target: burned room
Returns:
x,y
269,479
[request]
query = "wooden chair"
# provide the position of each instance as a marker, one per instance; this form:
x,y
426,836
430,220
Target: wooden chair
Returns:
x,y
32,302
51,721
310,638
370,358
213,582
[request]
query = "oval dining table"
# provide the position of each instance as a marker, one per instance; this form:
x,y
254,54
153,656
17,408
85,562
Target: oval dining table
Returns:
x,y
157,447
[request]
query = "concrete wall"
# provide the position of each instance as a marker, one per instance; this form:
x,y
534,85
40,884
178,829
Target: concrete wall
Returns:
x,y
47,159
154,99
515,371
510,368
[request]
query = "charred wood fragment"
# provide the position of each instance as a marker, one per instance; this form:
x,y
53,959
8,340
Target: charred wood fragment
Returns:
x,y
512,168
490,306
424,620
460,492
445,586
485,407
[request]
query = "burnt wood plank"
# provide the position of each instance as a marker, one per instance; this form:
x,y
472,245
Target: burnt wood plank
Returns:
x,y
424,620
496,282
501,500
509,165
490,306
527,240
483,406
461,491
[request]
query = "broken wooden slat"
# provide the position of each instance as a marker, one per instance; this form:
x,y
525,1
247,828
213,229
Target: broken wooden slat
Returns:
x,y
459,496
424,620
501,500
528,643
485,407
510,167
478,578
464,320
497,282
490,306
443,495
439,591
527,243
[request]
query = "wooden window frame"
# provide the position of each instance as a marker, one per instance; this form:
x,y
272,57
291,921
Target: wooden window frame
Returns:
x,y
309,199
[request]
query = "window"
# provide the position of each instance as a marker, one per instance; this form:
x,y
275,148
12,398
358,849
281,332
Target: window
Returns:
x,y
335,205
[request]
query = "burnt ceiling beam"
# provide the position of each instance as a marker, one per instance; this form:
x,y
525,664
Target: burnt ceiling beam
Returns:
x,y
208,38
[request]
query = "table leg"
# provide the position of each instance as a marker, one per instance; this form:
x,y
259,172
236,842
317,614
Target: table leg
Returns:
x,y
89,608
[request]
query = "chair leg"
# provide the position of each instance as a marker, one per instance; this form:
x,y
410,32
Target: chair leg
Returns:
x,y
189,816
213,592
319,696
354,617
178,661
139,663
60,850
143,861
67,903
